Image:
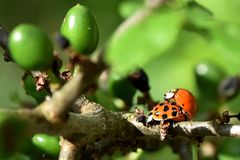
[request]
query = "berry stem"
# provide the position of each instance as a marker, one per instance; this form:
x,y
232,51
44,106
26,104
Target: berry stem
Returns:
x,y
194,151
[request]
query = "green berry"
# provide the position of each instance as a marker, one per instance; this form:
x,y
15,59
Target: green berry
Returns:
x,y
80,29
47,144
30,47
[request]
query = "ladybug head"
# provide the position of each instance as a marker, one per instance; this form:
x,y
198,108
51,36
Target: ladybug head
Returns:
x,y
169,94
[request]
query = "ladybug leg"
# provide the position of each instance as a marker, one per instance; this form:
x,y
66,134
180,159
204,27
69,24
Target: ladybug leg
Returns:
x,y
171,100
191,122
164,126
188,117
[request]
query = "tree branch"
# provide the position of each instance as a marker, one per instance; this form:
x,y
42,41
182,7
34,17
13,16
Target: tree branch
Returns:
x,y
55,109
191,129
97,130
69,151
94,121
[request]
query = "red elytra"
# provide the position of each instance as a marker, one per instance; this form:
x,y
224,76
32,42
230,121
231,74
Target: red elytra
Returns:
x,y
184,99
166,111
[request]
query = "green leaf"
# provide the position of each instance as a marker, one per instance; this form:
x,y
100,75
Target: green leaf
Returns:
x,y
144,41
226,40
176,67
199,16
226,10
127,8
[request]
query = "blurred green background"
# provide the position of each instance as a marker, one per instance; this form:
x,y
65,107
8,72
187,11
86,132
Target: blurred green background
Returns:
x,y
192,44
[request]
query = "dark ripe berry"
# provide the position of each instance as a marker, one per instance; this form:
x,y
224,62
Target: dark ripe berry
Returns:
x,y
62,41
80,29
229,87
30,47
139,79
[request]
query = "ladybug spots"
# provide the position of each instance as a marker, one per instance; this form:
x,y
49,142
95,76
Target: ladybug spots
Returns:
x,y
161,104
166,108
165,111
174,113
164,116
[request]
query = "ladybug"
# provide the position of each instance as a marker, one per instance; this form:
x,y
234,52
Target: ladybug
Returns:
x,y
166,111
184,99
165,114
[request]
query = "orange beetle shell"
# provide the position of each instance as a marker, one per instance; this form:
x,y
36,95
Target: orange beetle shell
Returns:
x,y
186,100
167,111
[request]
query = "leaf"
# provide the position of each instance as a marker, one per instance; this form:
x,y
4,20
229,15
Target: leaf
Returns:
x,y
226,10
144,41
176,67
127,8
226,40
